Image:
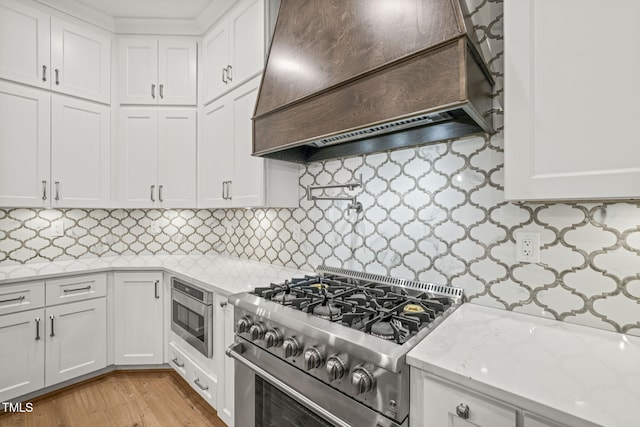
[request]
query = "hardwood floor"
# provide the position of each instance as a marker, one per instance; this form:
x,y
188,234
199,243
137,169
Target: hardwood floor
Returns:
x,y
121,398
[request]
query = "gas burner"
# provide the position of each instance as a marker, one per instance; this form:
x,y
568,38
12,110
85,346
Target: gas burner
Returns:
x,y
284,298
413,308
328,312
383,330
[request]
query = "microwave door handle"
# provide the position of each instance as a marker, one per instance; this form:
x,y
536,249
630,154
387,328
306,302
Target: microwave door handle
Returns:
x,y
234,352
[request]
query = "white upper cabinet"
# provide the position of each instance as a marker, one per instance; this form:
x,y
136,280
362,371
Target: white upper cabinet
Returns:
x,y
233,49
25,150
80,153
156,164
80,62
571,90
158,72
228,175
54,150
50,53
24,44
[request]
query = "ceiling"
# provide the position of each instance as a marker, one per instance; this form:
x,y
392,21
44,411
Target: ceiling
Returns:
x,y
174,9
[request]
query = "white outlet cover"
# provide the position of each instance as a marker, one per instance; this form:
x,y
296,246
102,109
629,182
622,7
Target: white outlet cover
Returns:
x,y
521,253
57,228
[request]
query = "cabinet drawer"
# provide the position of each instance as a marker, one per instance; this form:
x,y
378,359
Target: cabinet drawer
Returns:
x,y
21,296
200,380
77,288
203,383
178,360
441,404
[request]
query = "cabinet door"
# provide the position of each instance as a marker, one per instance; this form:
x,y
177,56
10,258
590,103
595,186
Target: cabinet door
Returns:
x,y
215,52
76,337
177,159
225,368
136,171
570,115
25,138
177,72
22,353
248,185
139,326
80,153
138,70
215,153
80,61
24,44
246,24
434,404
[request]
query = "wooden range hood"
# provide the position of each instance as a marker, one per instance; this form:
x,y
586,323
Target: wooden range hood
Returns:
x,y
347,77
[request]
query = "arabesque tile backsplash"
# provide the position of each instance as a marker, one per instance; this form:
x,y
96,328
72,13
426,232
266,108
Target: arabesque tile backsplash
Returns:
x,y
433,213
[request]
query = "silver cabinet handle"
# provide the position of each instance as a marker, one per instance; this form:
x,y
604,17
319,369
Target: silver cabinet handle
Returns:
x,y
44,189
37,328
161,91
223,304
20,298
224,73
228,190
224,183
153,187
160,193
44,73
462,410
202,387
57,190
177,362
229,73
52,332
153,91
57,76
156,290
86,288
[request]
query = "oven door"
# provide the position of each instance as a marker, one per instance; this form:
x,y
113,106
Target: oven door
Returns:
x,y
270,392
192,320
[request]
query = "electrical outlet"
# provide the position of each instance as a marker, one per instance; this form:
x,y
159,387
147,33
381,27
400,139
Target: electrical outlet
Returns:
x,y
57,228
527,247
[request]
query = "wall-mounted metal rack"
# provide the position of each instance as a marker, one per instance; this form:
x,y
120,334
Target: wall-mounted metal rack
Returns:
x,y
349,186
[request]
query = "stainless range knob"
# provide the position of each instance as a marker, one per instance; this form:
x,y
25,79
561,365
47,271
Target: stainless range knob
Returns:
x,y
336,366
362,380
291,347
243,324
273,338
257,331
313,358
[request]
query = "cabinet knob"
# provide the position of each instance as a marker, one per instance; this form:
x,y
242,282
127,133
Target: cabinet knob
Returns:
x,y
462,410
223,304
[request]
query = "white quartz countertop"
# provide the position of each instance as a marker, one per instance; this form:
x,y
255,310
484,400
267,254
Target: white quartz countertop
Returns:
x,y
224,274
588,373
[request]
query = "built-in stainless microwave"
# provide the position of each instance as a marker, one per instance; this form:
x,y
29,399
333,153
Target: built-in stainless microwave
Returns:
x,y
192,315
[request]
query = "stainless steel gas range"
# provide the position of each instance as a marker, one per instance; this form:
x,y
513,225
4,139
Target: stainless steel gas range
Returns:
x,y
329,349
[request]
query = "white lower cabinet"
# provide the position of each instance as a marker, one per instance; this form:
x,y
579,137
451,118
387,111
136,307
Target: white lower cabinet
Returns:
x,y
139,327
193,371
225,367
76,335
435,403
213,378
21,353
43,346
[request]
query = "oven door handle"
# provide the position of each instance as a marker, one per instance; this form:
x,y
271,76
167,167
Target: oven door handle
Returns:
x,y
235,352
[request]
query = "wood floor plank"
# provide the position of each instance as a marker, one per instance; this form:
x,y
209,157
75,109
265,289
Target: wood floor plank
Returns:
x,y
120,399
